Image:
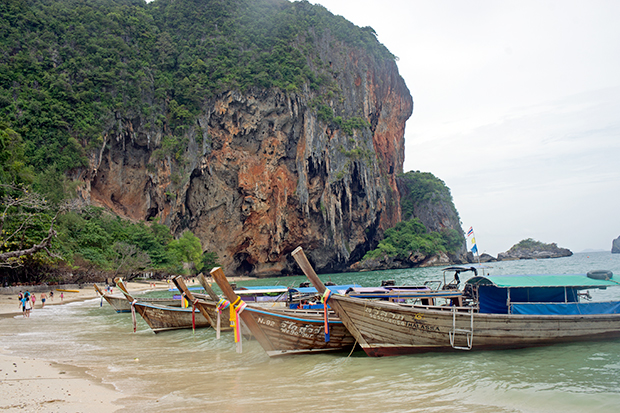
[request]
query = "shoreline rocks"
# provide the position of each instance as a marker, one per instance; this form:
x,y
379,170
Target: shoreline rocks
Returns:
x,y
615,246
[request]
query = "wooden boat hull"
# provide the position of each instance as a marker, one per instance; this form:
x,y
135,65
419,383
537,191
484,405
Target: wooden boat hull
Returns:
x,y
119,304
387,329
297,331
162,318
122,305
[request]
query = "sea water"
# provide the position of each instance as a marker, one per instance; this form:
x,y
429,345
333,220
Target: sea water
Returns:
x,y
181,371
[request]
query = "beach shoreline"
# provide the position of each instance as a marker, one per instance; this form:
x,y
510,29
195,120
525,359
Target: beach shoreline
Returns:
x,y
10,306
28,384
40,384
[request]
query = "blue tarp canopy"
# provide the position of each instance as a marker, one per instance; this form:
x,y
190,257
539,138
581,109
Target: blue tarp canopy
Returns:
x,y
339,289
537,294
494,300
612,307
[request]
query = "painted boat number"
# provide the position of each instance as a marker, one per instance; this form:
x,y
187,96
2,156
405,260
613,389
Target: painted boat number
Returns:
x,y
306,331
292,329
399,319
270,323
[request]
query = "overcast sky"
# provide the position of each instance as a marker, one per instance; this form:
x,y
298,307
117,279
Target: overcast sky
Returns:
x,y
516,109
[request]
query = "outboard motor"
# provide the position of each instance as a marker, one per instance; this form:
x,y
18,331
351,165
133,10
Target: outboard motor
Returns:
x,y
388,283
304,284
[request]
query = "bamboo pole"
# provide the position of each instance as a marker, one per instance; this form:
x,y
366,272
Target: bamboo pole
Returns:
x,y
207,287
178,281
257,332
121,286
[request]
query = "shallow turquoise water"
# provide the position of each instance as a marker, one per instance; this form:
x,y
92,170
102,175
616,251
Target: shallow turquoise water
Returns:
x,y
181,371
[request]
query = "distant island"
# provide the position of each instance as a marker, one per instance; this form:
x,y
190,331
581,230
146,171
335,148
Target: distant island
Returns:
x,y
531,249
526,249
615,246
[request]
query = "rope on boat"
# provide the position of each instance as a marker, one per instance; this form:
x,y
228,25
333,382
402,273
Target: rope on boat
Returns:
x,y
354,344
324,300
133,314
221,306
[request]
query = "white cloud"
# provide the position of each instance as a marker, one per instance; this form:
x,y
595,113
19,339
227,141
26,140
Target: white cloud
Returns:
x,y
516,109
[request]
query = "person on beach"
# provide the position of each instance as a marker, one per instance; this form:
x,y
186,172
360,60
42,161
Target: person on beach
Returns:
x,y
34,298
43,298
51,295
22,302
27,308
62,296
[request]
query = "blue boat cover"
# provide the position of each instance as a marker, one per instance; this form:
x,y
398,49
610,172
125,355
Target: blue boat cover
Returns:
x,y
612,307
189,288
494,300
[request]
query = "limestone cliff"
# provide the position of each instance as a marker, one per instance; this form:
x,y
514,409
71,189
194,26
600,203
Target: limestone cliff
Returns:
x,y
262,173
615,246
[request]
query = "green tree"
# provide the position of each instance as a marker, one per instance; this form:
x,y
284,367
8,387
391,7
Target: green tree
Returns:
x,y
209,261
187,251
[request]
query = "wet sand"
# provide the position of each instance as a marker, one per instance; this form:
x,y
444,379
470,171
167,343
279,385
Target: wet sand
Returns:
x,y
39,386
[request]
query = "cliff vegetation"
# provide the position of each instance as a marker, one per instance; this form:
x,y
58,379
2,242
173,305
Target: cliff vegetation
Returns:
x,y
410,242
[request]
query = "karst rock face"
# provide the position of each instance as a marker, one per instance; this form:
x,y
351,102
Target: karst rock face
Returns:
x,y
262,173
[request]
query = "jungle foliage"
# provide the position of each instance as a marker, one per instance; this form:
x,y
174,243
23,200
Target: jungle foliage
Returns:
x,y
532,244
410,235
422,187
71,70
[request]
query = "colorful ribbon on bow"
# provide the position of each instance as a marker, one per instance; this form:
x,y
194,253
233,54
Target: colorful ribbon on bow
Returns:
x,y
237,308
194,315
324,299
221,306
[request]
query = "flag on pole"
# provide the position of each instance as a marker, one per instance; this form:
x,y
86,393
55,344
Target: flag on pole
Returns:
x,y
472,244
470,231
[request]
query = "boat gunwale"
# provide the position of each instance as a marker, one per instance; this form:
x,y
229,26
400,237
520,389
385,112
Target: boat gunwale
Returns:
x,y
465,310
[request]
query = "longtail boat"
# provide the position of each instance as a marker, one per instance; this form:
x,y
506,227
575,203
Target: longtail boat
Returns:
x,y
161,317
493,312
121,305
285,331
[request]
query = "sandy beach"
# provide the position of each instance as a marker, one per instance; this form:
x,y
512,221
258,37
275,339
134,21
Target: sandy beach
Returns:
x,y
39,386
28,385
